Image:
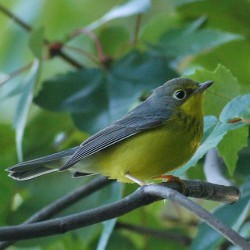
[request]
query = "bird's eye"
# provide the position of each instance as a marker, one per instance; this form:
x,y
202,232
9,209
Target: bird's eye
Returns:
x,y
179,94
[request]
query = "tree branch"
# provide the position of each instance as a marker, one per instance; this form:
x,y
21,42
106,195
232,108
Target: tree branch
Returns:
x,y
64,202
141,197
157,233
200,212
16,19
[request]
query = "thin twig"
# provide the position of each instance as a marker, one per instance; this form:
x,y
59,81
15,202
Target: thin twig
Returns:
x,y
15,18
85,53
157,233
15,73
137,28
70,60
200,212
29,28
102,57
177,221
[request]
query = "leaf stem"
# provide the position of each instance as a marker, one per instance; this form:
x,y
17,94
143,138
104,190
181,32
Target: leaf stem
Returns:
x,y
137,29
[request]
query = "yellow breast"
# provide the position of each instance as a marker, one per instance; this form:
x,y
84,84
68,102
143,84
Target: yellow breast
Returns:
x,y
148,154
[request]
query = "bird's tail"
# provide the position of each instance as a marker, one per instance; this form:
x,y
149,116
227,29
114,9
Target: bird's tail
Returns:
x,y
40,166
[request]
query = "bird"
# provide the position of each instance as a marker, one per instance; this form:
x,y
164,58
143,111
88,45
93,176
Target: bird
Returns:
x,y
159,135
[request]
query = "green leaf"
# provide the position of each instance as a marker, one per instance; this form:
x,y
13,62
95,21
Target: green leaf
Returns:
x,y
119,239
45,127
242,169
233,215
235,140
191,40
69,92
158,25
239,107
221,91
23,106
209,123
129,8
119,35
96,98
8,157
215,131
234,54
231,144
36,42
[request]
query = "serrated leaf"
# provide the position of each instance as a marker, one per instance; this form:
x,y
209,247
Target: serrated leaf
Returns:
x,y
225,87
207,238
235,140
96,98
23,107
36,42
119,35
129,8
238,139
191,40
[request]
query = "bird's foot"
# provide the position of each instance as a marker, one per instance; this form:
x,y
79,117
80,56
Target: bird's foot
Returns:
x,y
172,178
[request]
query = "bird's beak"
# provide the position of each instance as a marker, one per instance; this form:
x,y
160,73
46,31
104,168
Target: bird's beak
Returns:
x,y
203,86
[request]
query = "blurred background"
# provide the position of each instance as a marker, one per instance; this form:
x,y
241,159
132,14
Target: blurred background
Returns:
x,y
70,67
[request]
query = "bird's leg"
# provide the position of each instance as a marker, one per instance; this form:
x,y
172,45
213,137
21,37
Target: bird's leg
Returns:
x,y
134,179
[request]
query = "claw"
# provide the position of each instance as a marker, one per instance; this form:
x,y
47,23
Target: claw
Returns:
x,y
169,178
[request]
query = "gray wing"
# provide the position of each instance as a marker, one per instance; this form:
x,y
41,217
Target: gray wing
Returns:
x,y
139,119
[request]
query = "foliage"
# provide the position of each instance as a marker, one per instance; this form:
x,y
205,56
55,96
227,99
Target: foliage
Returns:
x,y
86,63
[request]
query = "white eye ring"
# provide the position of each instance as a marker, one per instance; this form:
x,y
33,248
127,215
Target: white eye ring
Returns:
x,y
179,94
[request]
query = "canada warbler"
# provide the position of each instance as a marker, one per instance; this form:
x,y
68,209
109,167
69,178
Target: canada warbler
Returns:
x,y
159,135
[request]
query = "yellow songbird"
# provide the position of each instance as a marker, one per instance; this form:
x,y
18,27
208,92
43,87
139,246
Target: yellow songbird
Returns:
x,y
157,136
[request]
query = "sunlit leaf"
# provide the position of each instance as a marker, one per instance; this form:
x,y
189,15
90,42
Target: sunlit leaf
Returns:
x,y
231,144
192,39
239,107
131,7
23,107
119,36
220,93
